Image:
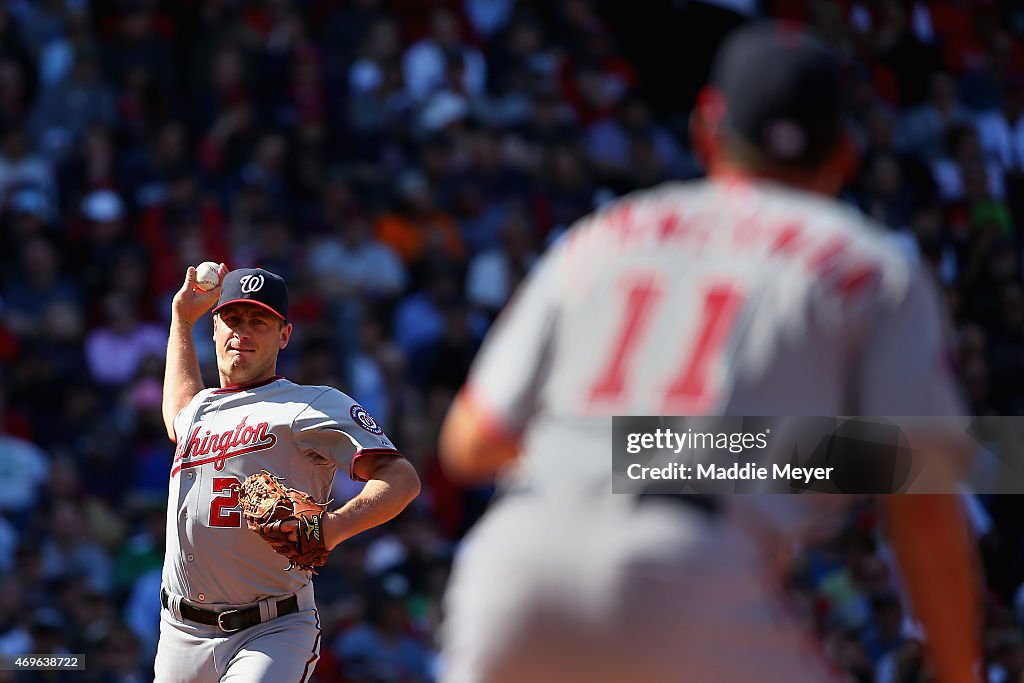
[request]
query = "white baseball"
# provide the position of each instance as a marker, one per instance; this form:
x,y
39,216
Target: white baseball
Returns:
x,y
207,275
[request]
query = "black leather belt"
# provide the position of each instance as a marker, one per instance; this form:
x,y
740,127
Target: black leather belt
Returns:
x,y
232,620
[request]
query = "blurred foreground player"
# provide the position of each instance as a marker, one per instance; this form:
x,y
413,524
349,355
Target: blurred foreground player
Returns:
x,y
751,293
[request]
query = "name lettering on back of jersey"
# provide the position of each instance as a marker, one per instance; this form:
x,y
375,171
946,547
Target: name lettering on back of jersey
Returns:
x,y
831,259
232,443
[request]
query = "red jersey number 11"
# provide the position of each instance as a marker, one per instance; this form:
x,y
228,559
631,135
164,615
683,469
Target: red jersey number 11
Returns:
x,y
690,388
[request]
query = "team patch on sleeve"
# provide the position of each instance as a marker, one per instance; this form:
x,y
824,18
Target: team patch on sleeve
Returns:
x,y
364,420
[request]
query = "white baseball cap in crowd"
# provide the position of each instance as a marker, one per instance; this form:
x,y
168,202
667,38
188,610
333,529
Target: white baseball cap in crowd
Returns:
x,y
103,206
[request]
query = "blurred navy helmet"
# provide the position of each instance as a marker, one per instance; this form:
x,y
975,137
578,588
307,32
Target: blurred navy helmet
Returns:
x,y
782,92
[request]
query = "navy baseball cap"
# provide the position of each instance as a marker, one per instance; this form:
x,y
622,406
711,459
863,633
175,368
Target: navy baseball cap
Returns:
x,y
255,286
783,92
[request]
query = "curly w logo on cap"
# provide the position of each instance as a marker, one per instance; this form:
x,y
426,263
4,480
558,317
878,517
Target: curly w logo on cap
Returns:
x,y
255,286
251,283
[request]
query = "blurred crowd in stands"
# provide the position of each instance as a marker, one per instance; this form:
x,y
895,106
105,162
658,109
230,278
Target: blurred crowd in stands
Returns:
x,y
402,163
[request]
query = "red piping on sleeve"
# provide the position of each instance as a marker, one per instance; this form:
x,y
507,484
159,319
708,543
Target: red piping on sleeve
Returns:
x,y
372,452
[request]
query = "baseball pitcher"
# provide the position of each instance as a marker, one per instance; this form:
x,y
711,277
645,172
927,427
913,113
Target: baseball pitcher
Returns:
x,y
247,514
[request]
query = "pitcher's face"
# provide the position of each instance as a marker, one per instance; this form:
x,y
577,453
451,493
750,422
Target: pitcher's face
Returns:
x,y
248,338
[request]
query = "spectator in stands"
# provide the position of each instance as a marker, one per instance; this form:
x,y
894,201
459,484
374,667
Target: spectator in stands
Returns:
x,y
494,274
66,109
443,60
379,648
610,141
36,287
68,551
24,470
418,230
923,130
352,263
116,351
117,657
22,166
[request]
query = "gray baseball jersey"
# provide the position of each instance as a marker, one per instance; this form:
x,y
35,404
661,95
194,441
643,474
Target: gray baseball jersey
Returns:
x,y
710,298
300,433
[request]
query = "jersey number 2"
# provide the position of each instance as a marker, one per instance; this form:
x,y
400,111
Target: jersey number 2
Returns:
x,y
689,388
226,496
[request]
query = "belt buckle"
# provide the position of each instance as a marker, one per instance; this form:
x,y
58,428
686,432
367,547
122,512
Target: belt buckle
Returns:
x,y
220,622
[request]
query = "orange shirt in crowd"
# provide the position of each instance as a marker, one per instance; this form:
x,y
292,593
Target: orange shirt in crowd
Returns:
x,y
411,237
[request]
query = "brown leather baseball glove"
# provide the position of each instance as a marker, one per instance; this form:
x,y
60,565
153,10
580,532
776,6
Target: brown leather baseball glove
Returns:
x,y
267,505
